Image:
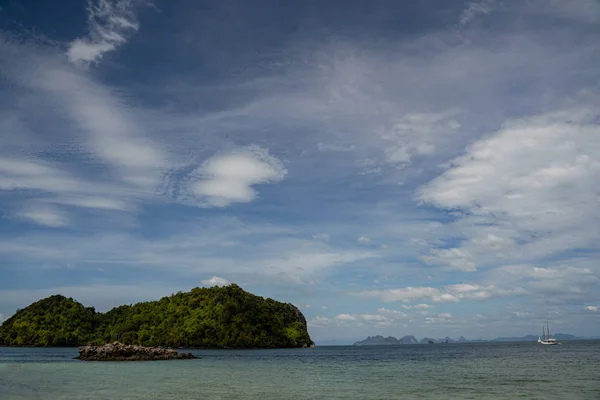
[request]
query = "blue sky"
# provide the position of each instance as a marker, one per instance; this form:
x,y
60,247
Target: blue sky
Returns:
x,y
390,168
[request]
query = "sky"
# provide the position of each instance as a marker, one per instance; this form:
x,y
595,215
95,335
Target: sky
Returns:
x,y
398,168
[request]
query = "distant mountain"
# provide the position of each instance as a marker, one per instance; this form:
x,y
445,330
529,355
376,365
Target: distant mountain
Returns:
x,y
386,341
427,340
378,341
566,336
408,340
390,340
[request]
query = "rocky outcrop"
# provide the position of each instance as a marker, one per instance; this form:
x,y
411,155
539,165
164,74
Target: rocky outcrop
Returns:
x,y
121,352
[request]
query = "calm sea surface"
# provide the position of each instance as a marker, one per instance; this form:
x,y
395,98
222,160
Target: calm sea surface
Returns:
x,y
442,371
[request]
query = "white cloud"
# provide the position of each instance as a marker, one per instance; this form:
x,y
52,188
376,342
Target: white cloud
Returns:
x,y
417,306
298,265
102,130
556,284
321,236
215,281
415,134
114,135
492,241
450,294
529,159
318,322
345,317
474,9
545,172
34,174
228,178
46,216
88,201
384,318
592,308
440,319
402,294
462,288
454,258
482,295
363,240
109,22
445,298
392,314
59,187
423,306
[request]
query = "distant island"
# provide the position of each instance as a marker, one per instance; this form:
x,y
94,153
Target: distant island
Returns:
x,y
218,317
383,341
390,340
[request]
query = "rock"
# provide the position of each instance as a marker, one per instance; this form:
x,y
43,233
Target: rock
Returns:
x,y
121,352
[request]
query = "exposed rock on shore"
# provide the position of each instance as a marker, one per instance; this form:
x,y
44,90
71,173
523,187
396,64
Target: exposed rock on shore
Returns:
x,y
121,352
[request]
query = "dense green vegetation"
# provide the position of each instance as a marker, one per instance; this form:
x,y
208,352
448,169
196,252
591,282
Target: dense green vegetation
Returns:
x,y
202,318
54,321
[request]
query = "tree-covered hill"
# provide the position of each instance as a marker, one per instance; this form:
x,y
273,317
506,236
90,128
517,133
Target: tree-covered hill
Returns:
x,y
53,321
202,318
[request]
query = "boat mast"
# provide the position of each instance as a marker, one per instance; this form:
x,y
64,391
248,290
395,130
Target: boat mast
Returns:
x,y
543,333
548,326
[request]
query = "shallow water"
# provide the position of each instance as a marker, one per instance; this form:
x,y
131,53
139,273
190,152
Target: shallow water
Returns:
x,y
442,371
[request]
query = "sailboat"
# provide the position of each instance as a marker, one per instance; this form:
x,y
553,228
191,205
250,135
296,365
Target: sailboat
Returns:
x,y
546,339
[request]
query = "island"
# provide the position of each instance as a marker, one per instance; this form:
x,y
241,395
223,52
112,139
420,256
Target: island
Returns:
x,y
217,317
386,341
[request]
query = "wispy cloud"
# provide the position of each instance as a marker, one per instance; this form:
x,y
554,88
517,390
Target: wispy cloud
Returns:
x,y
401,294
47,216
109,23
454,258
448,294
200,247
476,8
321,236
363,240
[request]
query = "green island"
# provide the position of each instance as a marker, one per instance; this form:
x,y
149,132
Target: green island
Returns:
x,y
217,317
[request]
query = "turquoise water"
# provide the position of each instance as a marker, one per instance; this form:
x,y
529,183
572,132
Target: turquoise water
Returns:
x,y
452,371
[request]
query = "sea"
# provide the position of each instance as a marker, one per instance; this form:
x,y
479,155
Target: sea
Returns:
x,y
570,370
